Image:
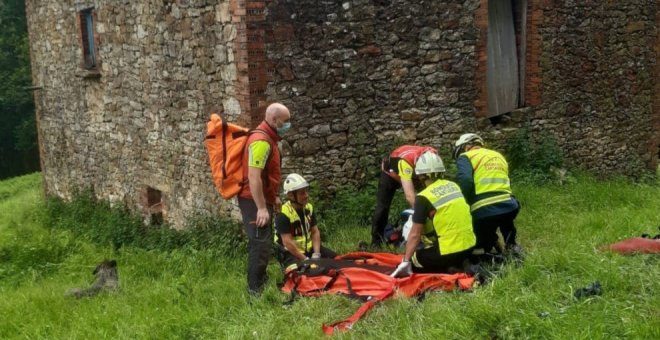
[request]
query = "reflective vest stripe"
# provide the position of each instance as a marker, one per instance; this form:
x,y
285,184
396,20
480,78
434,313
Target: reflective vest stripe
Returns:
x,y
446,199
452,221
494,180
490,200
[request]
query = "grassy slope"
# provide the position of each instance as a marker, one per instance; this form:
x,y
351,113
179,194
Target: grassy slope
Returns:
x,y
192,294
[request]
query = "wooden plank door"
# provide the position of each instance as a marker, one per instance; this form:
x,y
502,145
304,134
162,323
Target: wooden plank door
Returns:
x,y
502,73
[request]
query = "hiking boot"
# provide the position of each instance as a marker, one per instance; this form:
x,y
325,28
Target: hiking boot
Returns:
x,y
478,272
515,251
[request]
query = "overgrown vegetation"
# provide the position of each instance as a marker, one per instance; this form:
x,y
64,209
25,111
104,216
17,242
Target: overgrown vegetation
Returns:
x,y
187,290
116,227
534,158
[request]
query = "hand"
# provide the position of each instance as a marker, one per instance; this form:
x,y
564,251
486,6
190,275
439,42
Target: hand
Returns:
x,y
403,269
277,207
316,256
262,217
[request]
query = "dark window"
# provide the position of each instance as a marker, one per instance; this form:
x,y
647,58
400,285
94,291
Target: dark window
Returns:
x,y
88,39
155,206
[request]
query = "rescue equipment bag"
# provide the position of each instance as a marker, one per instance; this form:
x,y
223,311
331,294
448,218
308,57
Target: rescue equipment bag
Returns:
x,y
366,277
225,144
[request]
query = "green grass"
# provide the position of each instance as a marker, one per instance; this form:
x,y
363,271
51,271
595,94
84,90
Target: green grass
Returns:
x,y
197,292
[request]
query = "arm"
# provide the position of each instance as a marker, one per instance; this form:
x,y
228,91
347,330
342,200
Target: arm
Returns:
x,y
258,152
408,191
291,246
256,188
316,239
405,173
413,240
465,178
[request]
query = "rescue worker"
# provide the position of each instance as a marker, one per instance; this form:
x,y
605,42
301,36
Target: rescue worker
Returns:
x,y
259,197
397,171
483,176
442,218
297,236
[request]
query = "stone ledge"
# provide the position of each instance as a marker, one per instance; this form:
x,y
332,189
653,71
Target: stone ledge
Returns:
x,y
88,74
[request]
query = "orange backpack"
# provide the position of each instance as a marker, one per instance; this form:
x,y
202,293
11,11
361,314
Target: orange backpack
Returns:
x,y
225,144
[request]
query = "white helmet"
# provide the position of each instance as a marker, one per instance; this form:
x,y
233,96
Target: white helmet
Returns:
x,y
294,182
467,138
429,162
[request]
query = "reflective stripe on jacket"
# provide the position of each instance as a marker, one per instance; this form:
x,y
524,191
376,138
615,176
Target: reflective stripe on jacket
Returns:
x,y
452,220
491,174
301,232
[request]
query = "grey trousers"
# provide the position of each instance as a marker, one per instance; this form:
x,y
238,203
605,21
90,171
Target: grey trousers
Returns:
x,y
260,245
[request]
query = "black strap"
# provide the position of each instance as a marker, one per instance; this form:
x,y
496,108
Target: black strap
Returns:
x,y
224,147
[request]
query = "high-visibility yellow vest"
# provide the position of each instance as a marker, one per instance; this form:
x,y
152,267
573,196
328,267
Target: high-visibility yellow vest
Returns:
x,y
491,174
452,220
301,232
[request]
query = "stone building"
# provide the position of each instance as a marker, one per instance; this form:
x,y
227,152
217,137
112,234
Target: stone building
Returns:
x,y
124,88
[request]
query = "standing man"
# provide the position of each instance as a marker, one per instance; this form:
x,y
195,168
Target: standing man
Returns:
x,y
297,236
396,172
483,176
259,197
443,217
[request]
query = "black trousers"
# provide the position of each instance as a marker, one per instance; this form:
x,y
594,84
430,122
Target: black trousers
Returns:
x,y
260,245
433,262
485,229
286,259
387,187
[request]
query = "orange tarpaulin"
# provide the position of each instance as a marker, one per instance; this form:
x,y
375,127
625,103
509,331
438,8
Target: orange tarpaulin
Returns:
x,y
366,276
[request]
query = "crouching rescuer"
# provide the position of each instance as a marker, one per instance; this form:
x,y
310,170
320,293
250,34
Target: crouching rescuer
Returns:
x,y
483,176
297,236
442,219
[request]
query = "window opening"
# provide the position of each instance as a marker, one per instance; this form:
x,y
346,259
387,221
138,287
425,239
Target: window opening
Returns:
x,y
155,206
87,34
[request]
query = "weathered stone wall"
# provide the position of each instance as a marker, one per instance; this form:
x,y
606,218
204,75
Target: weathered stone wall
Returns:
x,y
164,66
357,73
598,64
360,74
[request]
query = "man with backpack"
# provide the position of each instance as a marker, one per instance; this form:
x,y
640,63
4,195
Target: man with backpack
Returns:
x,y
397,171
441,220
297,236
483,176
259,196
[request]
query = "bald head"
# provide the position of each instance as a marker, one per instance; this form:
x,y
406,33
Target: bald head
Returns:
x,y
277,111
277,115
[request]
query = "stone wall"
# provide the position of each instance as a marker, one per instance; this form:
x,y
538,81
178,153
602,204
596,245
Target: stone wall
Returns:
x,y
139,122
366,71
359,76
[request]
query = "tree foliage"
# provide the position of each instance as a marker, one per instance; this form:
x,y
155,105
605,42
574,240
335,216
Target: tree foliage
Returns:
x,y
18,141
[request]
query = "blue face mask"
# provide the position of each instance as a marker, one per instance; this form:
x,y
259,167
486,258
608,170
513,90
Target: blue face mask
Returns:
x,y
284,128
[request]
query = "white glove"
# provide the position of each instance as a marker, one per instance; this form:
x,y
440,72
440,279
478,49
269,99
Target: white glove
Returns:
x,y
403,269
316,256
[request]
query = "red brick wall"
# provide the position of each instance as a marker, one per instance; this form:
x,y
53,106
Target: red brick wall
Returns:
x,y
254,70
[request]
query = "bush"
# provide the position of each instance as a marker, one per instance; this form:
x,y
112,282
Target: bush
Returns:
x,y
117,226
533,157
